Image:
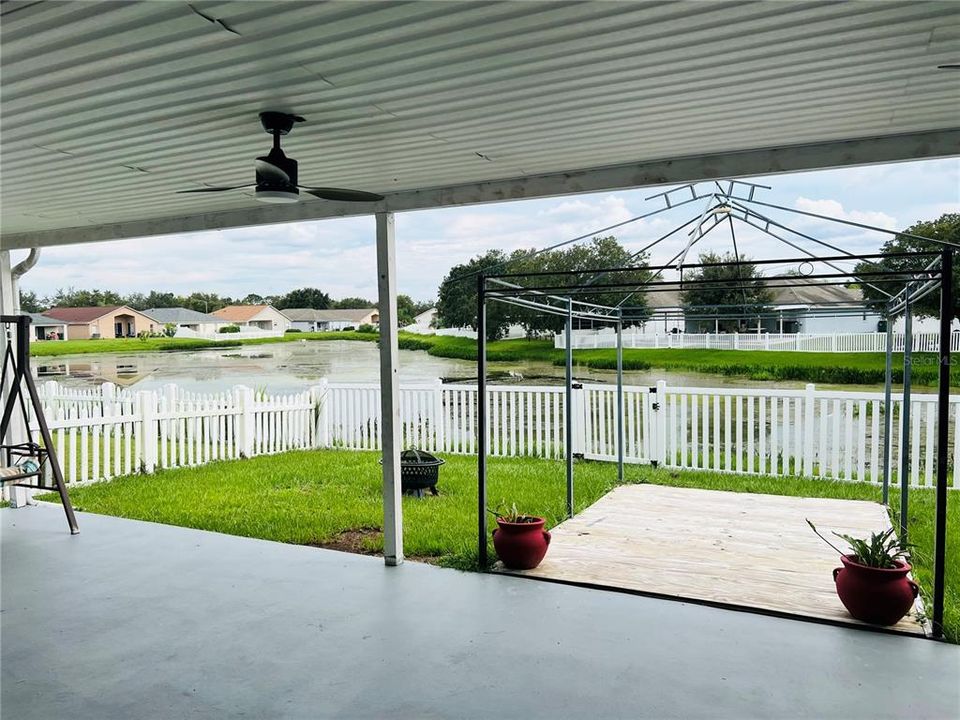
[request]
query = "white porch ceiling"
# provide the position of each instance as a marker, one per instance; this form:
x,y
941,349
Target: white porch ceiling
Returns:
x,y
109,108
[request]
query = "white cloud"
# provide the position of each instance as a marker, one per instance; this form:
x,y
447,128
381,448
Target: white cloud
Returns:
x,y
834,209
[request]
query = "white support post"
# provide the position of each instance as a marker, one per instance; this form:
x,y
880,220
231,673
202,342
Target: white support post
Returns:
x,y
389,390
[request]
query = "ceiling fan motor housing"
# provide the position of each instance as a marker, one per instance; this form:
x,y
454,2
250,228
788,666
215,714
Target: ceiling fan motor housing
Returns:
x,y
276,178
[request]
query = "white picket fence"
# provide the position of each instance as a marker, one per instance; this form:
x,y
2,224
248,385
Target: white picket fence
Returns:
x,y
105,432
833,342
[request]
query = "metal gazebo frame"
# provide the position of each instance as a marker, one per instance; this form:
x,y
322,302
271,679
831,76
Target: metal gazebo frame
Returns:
x,y
560,299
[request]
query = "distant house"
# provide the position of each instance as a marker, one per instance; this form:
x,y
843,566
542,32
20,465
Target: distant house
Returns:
x,y
799,309
47,328
261,317
108,321
186,318
424,322
310,320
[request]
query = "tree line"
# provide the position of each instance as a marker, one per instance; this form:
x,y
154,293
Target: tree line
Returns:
x,y
734,290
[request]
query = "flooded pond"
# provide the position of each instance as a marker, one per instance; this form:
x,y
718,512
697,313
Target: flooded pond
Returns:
x,y
289,367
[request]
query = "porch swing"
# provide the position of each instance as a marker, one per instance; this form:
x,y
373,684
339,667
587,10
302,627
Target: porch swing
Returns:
x,y
27,464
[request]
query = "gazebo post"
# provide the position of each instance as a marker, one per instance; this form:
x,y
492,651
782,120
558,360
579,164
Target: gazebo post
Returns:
x,y
389,390
943,436
482,420
619,395
905,413
568,406
887,411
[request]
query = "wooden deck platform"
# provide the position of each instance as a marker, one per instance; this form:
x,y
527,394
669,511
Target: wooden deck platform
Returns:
x,y
754,551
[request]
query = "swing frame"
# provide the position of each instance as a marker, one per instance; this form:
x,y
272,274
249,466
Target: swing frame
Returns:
x,y
17,364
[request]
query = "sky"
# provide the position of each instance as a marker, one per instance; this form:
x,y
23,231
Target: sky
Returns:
x,y
339,256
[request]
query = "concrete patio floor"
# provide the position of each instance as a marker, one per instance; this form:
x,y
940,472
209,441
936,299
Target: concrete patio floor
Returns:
x,y
138,620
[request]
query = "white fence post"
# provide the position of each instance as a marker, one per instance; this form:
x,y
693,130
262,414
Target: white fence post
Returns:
x,y
808,425
320,396
437,421
246,422
147,402
580,414
660,421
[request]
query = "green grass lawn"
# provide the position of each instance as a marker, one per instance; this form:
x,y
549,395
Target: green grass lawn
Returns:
x,y
832,368
332,498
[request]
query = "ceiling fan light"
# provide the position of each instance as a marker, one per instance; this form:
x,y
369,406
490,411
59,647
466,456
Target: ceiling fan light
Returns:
x,y
277,196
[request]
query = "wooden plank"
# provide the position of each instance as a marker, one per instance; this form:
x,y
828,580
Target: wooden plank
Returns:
x,y
738,548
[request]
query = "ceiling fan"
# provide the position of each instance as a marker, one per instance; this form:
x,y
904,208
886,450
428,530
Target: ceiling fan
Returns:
x,y
277,174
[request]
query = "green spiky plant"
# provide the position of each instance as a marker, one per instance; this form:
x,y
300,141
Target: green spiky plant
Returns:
x,y
882,550
510,514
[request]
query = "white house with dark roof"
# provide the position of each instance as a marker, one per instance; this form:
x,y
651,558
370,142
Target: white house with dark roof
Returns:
x,y
47,328
311,320
183,317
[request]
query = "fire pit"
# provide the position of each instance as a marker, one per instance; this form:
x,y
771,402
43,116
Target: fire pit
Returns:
x,y
419,471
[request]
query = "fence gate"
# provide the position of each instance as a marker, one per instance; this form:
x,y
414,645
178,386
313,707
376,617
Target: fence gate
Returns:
x,y
595,423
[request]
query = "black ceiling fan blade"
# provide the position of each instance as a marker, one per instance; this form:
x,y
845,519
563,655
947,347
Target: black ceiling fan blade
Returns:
x,y
267,171
342,195
213,189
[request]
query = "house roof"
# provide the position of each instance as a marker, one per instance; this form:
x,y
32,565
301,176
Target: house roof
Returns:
x,y
810,293
301,314
76,315
240,313
346,314
180,315
43,320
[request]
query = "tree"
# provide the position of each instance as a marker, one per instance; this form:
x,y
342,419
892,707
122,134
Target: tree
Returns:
x,y
406,310
349,303
946,227
304,298
205,302
457,297
252,299
157,299
29,302
579,265
737,290
456,305
84,298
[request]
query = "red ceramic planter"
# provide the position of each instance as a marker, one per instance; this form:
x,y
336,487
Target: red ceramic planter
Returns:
x,y
881,596
521,546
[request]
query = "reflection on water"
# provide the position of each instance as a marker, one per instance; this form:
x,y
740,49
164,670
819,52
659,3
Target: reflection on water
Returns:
x,y
290,367
286,367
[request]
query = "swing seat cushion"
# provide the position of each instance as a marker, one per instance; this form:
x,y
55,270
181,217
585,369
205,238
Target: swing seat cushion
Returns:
x,y
9,472
27,468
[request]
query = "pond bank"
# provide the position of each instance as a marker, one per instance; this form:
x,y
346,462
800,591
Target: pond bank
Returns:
x,y
865,369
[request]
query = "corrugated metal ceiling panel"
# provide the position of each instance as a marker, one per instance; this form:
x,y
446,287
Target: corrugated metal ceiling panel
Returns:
x,y
109,108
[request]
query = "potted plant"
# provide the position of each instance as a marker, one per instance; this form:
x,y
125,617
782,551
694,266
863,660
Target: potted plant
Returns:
x,y
519,539
873,583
